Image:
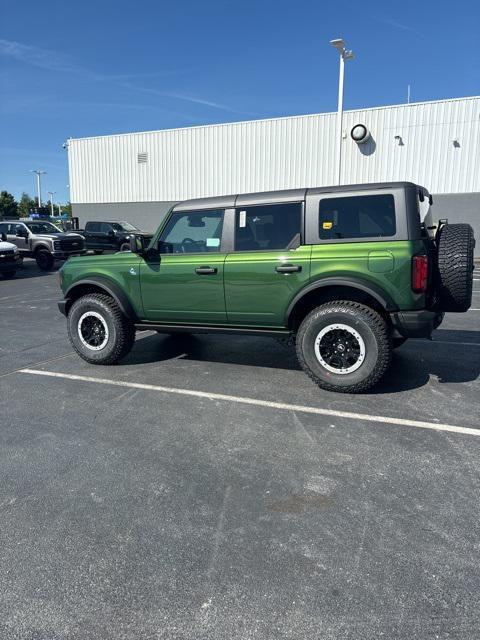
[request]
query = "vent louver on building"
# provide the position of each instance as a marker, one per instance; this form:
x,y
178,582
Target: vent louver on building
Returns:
x,y
142,157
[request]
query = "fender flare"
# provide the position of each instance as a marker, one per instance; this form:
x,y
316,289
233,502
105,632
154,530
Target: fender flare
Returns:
x,y
40,247
373,290
113,290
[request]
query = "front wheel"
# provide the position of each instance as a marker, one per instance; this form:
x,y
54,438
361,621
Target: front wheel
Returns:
x,y
125,246
44,259
98,330
344,346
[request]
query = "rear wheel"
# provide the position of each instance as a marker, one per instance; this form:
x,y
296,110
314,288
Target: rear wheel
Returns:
x,y
44,259
454,273
8,274
344,346
98,330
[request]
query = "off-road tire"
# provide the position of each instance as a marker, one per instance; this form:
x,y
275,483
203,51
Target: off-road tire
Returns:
x,y
368,324
44,259
121,332
397,342
454,272
8,274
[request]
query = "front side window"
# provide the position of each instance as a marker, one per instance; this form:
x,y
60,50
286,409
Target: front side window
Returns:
x,y
42,227
268,227
193,232
105,227
357,217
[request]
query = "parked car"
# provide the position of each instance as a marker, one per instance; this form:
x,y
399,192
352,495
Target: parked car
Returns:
x,y
102,236
10,258
349,272
43,241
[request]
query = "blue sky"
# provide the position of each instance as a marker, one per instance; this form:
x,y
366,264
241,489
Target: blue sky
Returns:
x,y
89,68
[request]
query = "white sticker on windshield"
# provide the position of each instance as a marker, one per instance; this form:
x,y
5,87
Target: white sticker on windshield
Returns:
x,y
213,242
243,219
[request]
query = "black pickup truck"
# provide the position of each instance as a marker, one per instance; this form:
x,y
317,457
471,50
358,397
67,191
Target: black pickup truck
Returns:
x,y
104,236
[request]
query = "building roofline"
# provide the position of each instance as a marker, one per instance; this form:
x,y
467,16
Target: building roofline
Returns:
x,y
293,117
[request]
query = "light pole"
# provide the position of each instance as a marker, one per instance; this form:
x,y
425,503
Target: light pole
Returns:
x,y
39,187
51,194
345,54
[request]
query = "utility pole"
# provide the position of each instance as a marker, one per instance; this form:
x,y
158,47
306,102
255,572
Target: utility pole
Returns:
x,y
345,54
38,173
51,194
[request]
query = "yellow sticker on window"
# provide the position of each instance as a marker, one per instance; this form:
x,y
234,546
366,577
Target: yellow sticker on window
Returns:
x,y
327,225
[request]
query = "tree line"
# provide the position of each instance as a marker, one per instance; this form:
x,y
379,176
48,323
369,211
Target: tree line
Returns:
x,y
10,208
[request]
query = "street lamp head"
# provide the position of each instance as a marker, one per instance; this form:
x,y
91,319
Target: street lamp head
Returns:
x,y
339,45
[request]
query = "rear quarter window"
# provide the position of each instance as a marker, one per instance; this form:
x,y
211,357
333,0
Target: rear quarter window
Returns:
x,y
369,216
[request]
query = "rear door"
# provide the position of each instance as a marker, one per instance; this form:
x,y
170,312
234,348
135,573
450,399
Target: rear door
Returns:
x,y
269,264
21,241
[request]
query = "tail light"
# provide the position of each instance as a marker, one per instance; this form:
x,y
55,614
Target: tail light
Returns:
x,y
419,273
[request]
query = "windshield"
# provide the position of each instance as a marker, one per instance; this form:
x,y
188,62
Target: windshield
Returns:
x,y
42,227
123,226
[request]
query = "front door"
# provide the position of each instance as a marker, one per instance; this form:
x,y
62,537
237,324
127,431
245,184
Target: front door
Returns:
x,y
185,284
269,264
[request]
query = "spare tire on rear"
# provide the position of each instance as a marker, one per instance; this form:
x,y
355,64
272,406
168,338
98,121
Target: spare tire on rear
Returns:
x,y
454,277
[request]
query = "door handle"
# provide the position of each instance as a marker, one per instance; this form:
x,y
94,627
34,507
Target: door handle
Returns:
x,y
206,271
288,268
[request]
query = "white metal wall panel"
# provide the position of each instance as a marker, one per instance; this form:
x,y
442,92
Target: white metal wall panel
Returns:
x,y
283,153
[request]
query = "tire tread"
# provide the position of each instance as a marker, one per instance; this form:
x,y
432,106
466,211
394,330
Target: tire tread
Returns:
x,y
379,328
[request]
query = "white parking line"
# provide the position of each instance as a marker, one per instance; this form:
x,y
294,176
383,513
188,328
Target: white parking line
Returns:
x,y
260,403
463,344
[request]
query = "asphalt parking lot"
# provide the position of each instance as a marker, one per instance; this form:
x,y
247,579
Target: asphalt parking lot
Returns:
x,y
206,489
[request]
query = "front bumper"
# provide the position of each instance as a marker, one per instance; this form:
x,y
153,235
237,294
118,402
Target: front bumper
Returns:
x,y
10,264
416,324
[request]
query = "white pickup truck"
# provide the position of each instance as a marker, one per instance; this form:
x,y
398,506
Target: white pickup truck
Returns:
x,y
43,241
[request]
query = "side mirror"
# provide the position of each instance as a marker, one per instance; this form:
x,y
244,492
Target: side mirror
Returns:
x,y
3,237
136,244
111,233
22,233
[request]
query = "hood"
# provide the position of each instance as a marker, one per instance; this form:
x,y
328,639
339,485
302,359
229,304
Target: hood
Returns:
x,y
137,233
59,236
7,246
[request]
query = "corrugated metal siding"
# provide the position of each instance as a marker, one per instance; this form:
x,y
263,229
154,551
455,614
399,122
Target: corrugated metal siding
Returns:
x,y
283,153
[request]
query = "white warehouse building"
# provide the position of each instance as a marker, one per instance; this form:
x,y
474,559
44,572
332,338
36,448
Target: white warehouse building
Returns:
x,y
136,176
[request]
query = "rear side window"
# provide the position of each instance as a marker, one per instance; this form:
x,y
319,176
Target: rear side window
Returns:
x,y
357,217
267,227
93,226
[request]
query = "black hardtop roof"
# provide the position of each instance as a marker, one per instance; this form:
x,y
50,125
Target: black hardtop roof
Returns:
x,y
285,195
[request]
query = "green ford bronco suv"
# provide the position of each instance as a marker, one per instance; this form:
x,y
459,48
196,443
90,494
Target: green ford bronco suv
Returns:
x,y
349,272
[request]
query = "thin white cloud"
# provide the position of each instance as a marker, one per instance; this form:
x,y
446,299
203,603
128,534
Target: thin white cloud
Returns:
x,y
52,61
37,57
391,22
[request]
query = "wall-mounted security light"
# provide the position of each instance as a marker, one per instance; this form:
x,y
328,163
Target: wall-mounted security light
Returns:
x,y
399,140
360,134
456,143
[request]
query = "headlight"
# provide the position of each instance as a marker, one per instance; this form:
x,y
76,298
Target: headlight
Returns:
x,y
15,249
